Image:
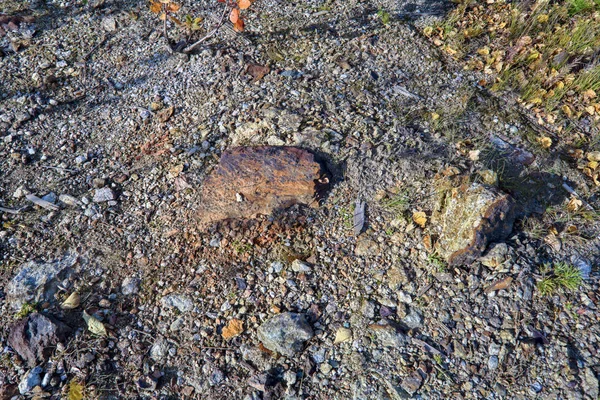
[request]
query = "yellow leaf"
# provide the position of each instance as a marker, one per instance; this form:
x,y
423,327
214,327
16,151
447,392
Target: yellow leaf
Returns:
x,y
437,42
592,164
427,31
450,50
589,94
590,110
545,141
173,7
567,110
560,85
420,218
571,229
484,51
543,18
536,100
233,328
162,16
71,302
435,116
342,335
593,156
574,204
93,325
75,390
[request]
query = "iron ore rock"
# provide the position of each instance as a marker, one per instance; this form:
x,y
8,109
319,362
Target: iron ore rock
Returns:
x,y
249,181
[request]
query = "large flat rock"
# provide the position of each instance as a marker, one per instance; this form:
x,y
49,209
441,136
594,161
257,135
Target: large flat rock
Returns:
x,y
249,181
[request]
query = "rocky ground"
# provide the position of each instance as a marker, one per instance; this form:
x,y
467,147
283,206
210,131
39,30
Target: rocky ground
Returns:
x,y
115,282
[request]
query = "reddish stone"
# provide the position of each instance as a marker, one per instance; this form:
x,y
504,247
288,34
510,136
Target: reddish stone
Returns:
x,y
249,181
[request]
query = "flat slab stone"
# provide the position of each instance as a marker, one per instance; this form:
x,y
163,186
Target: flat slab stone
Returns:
x,y
249,181
470,217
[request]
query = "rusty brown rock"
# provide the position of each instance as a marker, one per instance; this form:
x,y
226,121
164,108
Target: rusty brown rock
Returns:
x,y
34,337
249,181
470,216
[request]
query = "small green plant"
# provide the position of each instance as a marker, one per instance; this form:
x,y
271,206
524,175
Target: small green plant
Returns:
x,y
560,276
26,309
438,262
384,16
240,247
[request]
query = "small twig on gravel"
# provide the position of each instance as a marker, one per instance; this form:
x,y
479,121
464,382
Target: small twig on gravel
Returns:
x,y
42,203
96,47
10,210
574,193
191,47
59,168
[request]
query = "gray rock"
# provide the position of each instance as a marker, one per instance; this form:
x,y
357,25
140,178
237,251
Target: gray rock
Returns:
x,y
495,256
414,319
176,325
412,383
159,350
50,197
290,377
493,362
259,381
590,383
285,333
389,336
30,380
38,281
584,266
300,266
366,247
69,200
130,285
104,194
109,24
180,301
34,337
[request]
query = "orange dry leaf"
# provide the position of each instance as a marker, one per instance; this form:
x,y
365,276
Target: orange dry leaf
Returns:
x,y
234,16
420,218
243,4
238,26
233,328
173,7
155,6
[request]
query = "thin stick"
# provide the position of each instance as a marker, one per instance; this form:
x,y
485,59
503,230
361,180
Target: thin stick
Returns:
x,y
9,210
191,48
165,22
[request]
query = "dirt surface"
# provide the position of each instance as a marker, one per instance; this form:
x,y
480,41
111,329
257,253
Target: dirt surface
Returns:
x,y
117,132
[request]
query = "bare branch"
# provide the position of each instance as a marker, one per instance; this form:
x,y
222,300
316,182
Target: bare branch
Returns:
x,y
191,47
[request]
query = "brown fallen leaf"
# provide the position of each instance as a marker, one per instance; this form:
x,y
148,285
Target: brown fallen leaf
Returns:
x,y
499,285
257,71
233,329
427,243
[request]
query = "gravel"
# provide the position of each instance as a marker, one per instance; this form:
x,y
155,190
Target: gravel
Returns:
x,y
85,112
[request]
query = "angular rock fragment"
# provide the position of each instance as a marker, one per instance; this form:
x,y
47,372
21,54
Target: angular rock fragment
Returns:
x,y
34,337
38,281
469,218
249,181
285,333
